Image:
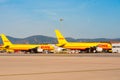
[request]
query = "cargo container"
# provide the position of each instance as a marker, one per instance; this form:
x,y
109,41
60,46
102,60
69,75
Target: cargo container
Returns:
x,y
116,47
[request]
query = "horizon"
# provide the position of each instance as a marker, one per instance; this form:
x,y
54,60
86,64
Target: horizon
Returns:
x,y
55,37
50,40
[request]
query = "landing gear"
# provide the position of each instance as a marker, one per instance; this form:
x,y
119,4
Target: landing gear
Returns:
x,y
91,50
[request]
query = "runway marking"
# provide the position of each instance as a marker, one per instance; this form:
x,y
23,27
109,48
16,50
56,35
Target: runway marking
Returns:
x,y
115,69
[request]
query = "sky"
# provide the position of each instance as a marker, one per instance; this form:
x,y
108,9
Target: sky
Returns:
x,y
80,18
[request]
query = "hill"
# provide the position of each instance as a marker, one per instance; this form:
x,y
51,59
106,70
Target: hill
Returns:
x,y
32,39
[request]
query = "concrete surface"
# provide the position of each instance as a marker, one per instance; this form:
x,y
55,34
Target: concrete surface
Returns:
x,y
59,68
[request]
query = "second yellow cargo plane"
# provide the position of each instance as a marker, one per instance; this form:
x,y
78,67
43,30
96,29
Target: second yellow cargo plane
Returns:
x,y
82,46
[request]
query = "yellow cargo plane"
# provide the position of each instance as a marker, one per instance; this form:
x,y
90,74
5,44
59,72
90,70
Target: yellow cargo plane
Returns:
x,y
82,46
10,47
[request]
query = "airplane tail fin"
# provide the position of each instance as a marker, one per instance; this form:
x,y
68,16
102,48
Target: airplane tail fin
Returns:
x,y
5,40
60,37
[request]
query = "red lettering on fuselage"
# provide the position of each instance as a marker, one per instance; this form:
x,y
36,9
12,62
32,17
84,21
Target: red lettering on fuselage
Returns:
x,y
102,45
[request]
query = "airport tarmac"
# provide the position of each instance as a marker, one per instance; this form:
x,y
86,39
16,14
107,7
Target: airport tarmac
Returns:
x,y
59,68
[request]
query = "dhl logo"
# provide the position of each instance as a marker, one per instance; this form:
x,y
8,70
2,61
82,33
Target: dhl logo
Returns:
x,y
61,38
6,41
102,45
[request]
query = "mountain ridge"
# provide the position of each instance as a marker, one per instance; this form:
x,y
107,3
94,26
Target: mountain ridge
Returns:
x,y
38,39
